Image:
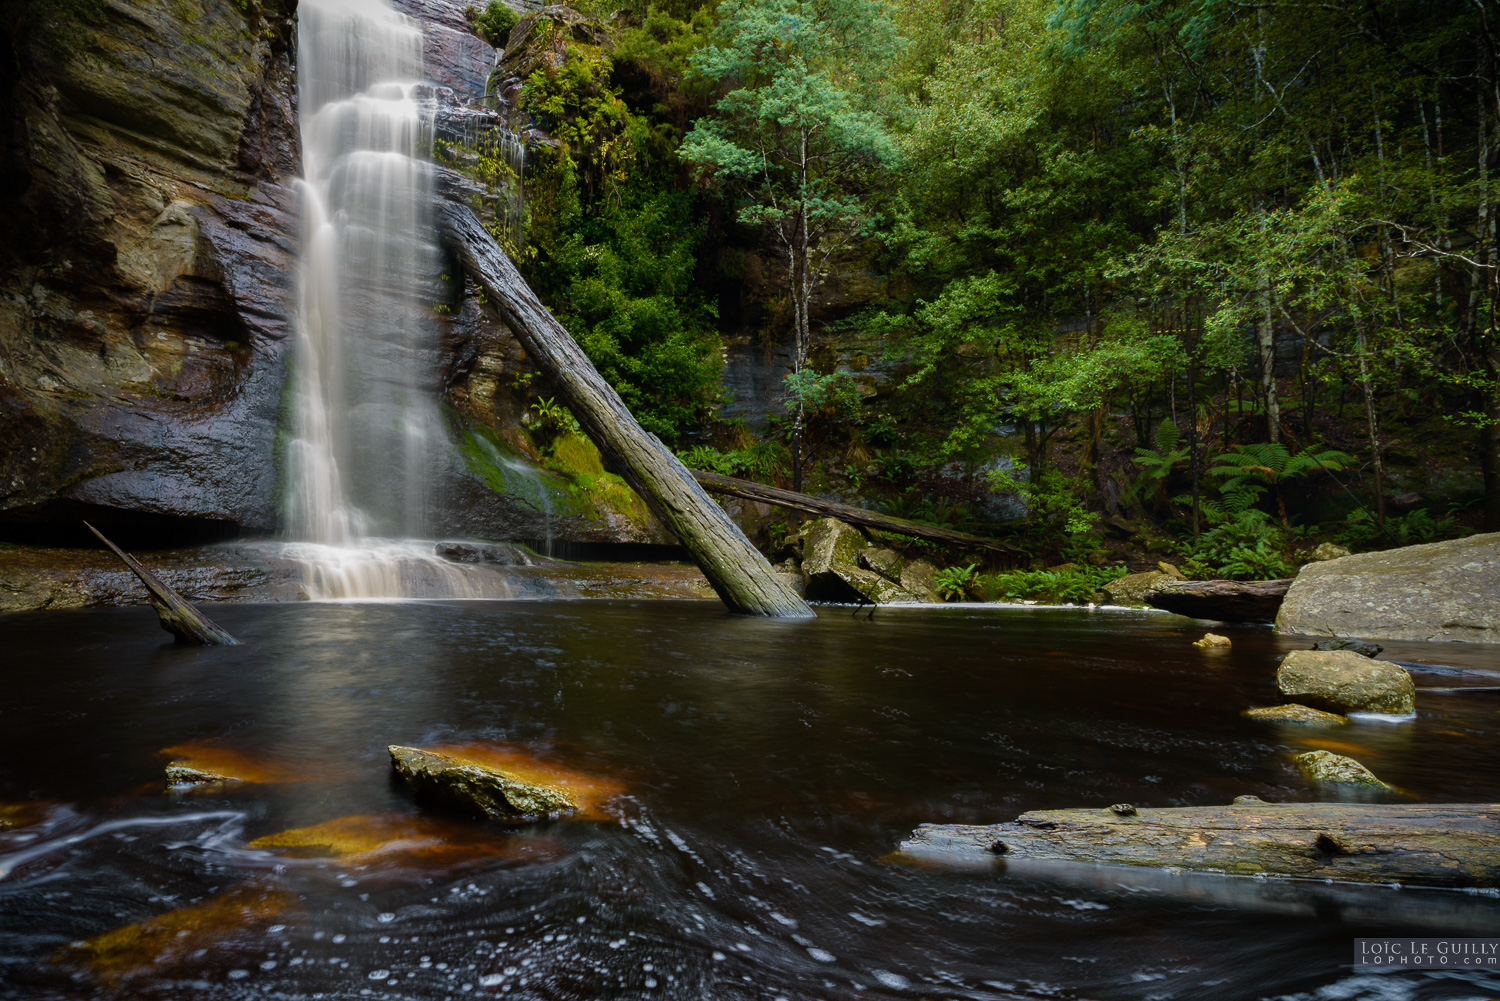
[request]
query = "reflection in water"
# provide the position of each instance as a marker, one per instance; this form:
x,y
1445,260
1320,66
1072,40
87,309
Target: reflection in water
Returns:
x,y
767,768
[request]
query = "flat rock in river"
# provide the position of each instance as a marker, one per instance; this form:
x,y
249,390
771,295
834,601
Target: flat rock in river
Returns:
x,y
1343,681
497,782
1293,713
1439,591
1327,768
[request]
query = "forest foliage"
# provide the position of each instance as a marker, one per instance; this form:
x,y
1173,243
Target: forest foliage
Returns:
x,y
1190,262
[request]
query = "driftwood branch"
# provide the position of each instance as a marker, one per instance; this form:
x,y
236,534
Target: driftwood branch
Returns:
x,y
1451,845
1222,600
749,490
736,569
177,616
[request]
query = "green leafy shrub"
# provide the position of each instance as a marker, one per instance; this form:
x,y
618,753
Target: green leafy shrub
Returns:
x,y
1075,585
493,24
953,582
1249,544
1414,527
759,460
1158,463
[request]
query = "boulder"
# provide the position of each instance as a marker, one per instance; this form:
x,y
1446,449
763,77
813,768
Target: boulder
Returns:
x,y
1327,768
882,561
1293,713
1438,591
1132,589
830,565
919,578
477,786
1211,641
1342,681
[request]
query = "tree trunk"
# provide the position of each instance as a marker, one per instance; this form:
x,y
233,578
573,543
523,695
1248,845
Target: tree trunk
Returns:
x,y
1267,341
1222,600
1451,845
737,571
759,492
176,615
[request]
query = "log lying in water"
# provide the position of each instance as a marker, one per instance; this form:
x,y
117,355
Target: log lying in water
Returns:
x,y
736,569
1450,845
731,486
1222,600
177,616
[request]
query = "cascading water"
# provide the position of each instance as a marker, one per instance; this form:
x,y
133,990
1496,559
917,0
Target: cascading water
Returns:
x,y
367,429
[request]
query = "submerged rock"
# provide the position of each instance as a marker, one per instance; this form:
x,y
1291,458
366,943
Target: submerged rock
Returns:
x,y
153,947
17,815
1294,713
500,783
1438,591
1211,641
208,764
1131,590
1360,647
1327,768
1342,681
384,840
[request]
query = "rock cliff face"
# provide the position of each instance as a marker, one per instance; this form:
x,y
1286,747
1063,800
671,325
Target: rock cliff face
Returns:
x,y
147,232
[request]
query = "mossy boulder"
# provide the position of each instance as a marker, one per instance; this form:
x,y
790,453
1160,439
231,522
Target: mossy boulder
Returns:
x,y
831,572
920,579
478,786
1294,713
1327,768
1131,590
1343,681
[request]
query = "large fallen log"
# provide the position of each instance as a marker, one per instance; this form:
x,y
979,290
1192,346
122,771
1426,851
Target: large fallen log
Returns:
x,y
173,611
1450,845
735,568
1222,600
716,483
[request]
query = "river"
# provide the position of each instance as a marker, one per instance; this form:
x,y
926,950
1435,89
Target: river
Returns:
x,y
768,771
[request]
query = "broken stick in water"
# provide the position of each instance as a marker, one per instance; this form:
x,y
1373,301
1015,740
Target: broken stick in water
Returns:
x,y
177,616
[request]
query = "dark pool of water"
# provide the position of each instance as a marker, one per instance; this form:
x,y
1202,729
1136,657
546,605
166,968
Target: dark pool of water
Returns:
x,y
769,768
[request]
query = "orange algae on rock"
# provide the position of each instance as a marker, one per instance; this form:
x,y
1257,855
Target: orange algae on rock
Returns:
x,y
156,945
503,781
14,816
362,839
208,763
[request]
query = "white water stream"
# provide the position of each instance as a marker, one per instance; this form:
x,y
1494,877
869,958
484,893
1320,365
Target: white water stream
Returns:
x,y
368,436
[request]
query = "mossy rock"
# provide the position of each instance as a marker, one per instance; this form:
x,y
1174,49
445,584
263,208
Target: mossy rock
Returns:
x,y
1293,713
1327,768
477,786
1344,681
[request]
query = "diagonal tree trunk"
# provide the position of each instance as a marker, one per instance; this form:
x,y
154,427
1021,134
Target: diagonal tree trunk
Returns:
x,y
737,571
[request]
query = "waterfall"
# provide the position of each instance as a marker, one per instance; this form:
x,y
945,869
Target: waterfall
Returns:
x,y
367,431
